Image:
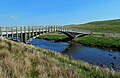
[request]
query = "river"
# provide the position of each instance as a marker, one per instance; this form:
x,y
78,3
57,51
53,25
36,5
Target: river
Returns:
x,y
94,56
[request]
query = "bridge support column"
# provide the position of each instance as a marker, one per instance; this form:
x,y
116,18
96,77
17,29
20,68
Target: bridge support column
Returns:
x,y
24,38
24,35
29,33
21,35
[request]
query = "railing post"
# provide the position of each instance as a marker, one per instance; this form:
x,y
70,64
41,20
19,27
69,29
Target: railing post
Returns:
x,y
24,35
1,31
51,28
46,29
21,34
36,30
16,33
28,32
12,32
42,29
56,28
60,28
65,28
39,29
32,32
6,32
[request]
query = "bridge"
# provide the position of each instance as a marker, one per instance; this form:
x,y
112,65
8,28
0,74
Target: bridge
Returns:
x,y
27,33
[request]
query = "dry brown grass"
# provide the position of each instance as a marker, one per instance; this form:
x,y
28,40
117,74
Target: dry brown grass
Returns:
x,y
18,60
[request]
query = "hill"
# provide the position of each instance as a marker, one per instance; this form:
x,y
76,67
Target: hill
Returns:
x,y
108,26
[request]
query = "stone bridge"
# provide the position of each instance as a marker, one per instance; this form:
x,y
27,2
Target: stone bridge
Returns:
x,y
27,33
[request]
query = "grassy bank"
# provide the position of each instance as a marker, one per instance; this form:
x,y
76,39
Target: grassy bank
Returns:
x,y
109,43
18,60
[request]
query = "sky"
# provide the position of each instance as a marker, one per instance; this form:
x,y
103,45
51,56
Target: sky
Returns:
x,y
56,12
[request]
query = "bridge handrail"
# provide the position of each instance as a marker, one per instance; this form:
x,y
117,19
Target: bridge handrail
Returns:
x,y
6,29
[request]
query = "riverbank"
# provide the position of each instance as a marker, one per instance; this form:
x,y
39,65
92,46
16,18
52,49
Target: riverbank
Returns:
x,y
105,43
93,41
21,60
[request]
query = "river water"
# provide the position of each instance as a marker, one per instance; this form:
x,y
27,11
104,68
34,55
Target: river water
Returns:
x,y
95,56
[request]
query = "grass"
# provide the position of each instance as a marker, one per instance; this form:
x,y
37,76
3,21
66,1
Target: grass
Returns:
x,y
18,60
54,37
109,26
101,42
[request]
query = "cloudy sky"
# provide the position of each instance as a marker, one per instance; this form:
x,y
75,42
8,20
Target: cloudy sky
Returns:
x,y
56,12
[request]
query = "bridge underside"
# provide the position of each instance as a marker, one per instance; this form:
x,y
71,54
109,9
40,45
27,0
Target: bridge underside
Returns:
x,y
73,35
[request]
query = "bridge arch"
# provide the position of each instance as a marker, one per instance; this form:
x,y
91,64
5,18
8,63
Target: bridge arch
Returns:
x,y
71,35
